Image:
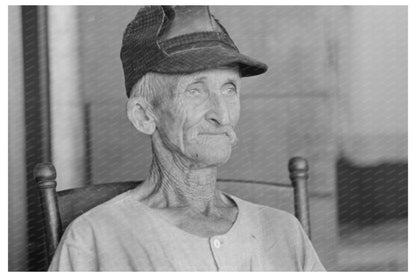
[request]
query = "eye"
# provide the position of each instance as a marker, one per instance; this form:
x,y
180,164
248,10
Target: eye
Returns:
x,y
230,90
193,92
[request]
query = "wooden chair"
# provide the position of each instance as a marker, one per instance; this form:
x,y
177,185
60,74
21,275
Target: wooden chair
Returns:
x,y
60,208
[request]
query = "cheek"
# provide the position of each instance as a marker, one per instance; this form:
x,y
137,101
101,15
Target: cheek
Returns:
x,y
234,112
193,113
171,120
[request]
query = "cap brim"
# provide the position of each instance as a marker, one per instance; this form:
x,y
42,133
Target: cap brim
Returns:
x,y
198,59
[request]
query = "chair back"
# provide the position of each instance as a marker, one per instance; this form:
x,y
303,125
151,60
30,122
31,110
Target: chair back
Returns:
x,y
60,208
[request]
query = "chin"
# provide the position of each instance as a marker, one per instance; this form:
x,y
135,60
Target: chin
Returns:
x,y
210,155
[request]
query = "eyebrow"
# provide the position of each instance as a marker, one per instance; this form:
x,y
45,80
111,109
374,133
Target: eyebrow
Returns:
x,y
231,80
199,79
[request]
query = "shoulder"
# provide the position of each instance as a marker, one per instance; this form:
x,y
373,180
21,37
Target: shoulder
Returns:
x,y
266,214
281,236
110,214
270,222
77,249
101,224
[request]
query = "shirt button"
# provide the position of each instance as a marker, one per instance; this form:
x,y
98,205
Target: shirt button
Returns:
x,y
217,243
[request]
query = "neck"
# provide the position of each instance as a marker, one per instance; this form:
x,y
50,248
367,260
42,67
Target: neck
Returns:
x,y
175,182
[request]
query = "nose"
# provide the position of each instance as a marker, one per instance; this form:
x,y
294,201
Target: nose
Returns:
x,y
218,113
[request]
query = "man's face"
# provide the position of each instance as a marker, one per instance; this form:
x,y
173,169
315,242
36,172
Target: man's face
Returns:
x,y
198,119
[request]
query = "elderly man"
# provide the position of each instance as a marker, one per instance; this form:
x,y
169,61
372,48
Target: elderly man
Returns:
x,y
182,75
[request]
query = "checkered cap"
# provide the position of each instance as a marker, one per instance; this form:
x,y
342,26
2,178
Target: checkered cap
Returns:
x,y
179,40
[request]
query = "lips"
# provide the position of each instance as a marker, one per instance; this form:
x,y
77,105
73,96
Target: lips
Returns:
x,y
229,132
213,133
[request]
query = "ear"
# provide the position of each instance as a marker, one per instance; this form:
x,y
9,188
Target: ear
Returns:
x,y
140,115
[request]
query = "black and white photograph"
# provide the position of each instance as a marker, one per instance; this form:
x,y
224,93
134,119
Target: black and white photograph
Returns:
x,y
208,138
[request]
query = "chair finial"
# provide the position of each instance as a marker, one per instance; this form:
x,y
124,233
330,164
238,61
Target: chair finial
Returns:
x,y
298,167
298,164
44,172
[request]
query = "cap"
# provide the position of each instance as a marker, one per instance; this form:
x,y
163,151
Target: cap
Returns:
x,y
179,40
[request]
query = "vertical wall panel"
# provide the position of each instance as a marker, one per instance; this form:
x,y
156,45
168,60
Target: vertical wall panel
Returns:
x,y
16,160
67,102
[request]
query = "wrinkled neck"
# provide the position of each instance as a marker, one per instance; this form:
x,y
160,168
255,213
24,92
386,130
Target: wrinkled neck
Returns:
x,y
177,182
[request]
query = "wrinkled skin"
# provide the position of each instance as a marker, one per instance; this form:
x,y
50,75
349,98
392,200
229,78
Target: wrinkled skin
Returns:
x,y
198,122
192,133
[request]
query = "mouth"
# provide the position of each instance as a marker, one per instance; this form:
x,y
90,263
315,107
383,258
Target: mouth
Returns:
x,y
220,133
213,134
226,133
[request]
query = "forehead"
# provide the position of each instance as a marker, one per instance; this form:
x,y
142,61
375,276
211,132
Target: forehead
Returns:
x,y
219,75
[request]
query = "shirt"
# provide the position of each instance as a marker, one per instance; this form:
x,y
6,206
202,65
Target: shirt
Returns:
x,y
124,234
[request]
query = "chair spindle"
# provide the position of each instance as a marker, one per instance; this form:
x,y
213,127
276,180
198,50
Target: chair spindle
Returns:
x,y
298,168
45,176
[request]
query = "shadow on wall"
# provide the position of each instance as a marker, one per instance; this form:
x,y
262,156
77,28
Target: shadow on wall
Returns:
x,y
371,194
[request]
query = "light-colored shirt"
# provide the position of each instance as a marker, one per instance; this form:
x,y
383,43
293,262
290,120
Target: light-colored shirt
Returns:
x,y
124,234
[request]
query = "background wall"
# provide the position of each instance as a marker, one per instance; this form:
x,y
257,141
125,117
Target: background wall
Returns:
x,y
372,167
373,85
335,91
